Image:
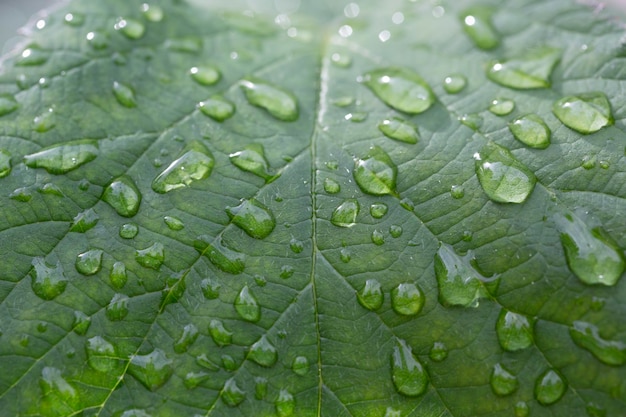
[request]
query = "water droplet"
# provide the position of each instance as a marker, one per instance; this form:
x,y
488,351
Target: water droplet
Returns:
x,y
133,412
123,196
285,404
263,352
521,409
278,102
341,60
59,396
5,162
189,45
454,83
356,117
585,113
217,108
83,184
247,305
591,254
260,388
42,327
587,336
124,94
252,159
375,173
378,210
378,238
286,271
131,28
438,352
102,356
33,55
503,178
401,89
8,104
595,410
81,322
345,255
24,340
391,412
129,230
221,256
550,387
588,162
407,299
332,165
597,303
210,288
371,296
45,121
220,335
84,221
117,308
90,262
459,283
345,215
60,159
174,223
501,106
344,101
152,12
300,366
331,186
193,379
51,189
515,331
74,19
530,71
296,245
205,362
21,194
395,231
479,27
457,192
253,218
47,282
408,374
98,40
205,75
605,164
531,130
232,395
399,129
118,275
502,381
195,164
151,257
474,121
189,336
152,370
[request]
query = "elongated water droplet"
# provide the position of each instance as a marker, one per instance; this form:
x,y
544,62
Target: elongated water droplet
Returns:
x,y
193,379
530,71
371,295
454,84
331,186
47,282
89,262
252,159
278,102
32,56
375,173
591,254
399,129
129,230
123,196
210,288
124,94
190,334
221,336
515,331
59,396
81,322
207,363
151,257
345,215
400,88
409,376
8,104
502,381
438,352
356,117
260,387
45,121
587,336
118,275
228,363
118,307
253,218
247,305
152,12
22,194
131,28
174,223
102,356
474,121
263,352
344,101
51,189
188,44
550,387
84,221
217,108
378,210
285,404
60,159
501,106
5,162
479,27
585,113
531,130
205,75
220,255
300,366
152,370
232,395
503,178
459,283
407,299
194,164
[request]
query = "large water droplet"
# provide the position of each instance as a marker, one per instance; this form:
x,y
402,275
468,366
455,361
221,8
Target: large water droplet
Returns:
x,y
232,395
371,296
123,195
102,356
47,282
124,95
206,75
503,178
252,159
345,215
438,352
278,102
454,83
247,305
585,113
407,299
194,164
375,173
531,130
131,28
8,104
253,218
285,404
479,27
151,257
84,221
408,374
515,331
591,254
501,106
89,262
118,275
459,283
587,336
300,366
220,255
220,335
530,71
152,370
217,108
400,88
59,396
399,129
502,381
60,159
81,323
550,387
263,352
190,334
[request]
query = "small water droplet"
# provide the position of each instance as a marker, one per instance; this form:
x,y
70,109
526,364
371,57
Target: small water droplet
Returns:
x,y
585,113
220,255
117,309
83,184
152,370
74,19
152,12
408,374
193,379
459,283
194,164
345,255
97,40
438,352
124,95
457,192
260,388
378,210
102,356
515,331
60,159
529,71
407,299
503,178
123,196
296,245
51,189
341,60
391,412
479,27
217,108
263,352
89,262
133,412
232,395
597,303
400,88
247,305
331,186
174,223
210,288
188,44
33,55
550,387
129,230
344,101
399,129
118,275
8,104
285,404
189,336
47,282
278,102
81,323
378,238
501,106
45,121
467,236
206,363
474,121
286,271
454,84
253,218
604,164
151,257
502,381
300,366
587,336
42,327
595,410
22,194
220,335
521,409
395,231
588,162
84,221
531,130
375,173
345,215
252,159
131,28
371,296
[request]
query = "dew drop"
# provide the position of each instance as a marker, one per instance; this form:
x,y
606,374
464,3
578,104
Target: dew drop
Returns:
x,y
174,223
220,255
530,71
459,283
188,45
479,27
210,288
118,275
42,327
22,194
5,163
399,129
220,335
206,75
375,173
152,12
74,19
60,159
345,255
123,196
395,231
344,101
345,215
59,396
124,95
81,323
296,245
285,404
8,104
341,60
194,164
89,262
408,374
587,336
286,271
400,88
131,28
391,412
331,186
247,305
47,282
152,370
604,164
371,295
501,106
133,412
252,159
232,395
378,238
300,366
278,102
595,410
263,352
193,379
407,299
474,121
454,84
549,387
97,40
589,162
217,108
332,165
189,336
521,409
33,55
45,121
51,189
378,210
531,130
457,192
502,381
117,309
206,363
585,113
129,230
514,331
102,356
151,257
253,218
260,388
84,221
438,352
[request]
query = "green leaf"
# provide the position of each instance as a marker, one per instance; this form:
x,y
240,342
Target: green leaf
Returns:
x,y
308,208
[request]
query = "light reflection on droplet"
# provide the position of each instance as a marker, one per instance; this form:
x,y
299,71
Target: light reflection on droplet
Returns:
x,y
384,36
234,55
40,24
470,20
397,18
352,10
345,31
438,11
292,32
283,21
